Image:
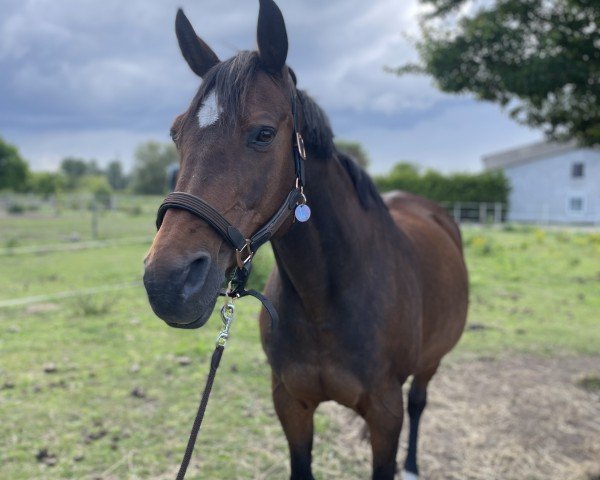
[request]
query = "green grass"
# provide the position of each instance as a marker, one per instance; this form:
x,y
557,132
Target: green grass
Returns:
x,y
48,273
531,291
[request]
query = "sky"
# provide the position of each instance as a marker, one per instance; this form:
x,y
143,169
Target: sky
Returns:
x,y
95,78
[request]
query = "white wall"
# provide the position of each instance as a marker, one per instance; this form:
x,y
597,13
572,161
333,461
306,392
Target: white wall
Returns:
x,y
542,188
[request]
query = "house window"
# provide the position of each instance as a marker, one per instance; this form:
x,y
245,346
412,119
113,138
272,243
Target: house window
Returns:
x,y
576,204
577,170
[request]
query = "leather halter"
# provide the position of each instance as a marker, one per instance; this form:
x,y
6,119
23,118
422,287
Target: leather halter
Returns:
x,y
245,248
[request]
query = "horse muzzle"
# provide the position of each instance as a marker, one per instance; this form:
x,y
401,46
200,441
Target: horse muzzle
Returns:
x,y
182,293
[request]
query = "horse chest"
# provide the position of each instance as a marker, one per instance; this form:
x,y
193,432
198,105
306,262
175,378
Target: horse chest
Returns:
x,y
319,367
318,383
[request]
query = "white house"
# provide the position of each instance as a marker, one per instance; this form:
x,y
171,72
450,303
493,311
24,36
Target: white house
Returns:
x,y
551,182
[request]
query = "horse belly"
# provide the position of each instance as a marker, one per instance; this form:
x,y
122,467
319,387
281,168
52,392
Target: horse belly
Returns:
x,y
437,245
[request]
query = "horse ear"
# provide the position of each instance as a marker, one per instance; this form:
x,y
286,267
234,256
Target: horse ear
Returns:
x,y
271,36
197,54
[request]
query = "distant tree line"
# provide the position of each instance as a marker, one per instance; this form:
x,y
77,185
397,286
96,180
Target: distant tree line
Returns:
x,y
152,160
148,176
454,187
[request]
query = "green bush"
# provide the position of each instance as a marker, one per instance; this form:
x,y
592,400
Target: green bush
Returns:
x,y
16,209
92,306
46,183
455,187
20,208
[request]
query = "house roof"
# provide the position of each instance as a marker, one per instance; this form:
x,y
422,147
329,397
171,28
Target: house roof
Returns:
x,y
526,153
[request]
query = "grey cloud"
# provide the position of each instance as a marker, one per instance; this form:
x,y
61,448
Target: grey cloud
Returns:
x,y
84,69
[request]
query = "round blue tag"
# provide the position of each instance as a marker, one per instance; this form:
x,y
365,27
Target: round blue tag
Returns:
x,y
302,212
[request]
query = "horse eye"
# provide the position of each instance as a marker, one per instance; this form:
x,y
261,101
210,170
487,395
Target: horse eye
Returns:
x,y
265,135
173,135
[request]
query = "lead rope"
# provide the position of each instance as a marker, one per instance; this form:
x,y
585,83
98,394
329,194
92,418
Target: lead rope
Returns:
x,y
227,314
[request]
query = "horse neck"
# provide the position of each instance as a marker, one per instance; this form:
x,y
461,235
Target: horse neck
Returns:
x,y
319,258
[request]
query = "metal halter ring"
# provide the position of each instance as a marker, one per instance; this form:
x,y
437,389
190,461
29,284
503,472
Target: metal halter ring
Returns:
x,y
300,146
239,254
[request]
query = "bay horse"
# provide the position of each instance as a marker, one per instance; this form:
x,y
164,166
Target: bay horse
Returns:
x,y
369,290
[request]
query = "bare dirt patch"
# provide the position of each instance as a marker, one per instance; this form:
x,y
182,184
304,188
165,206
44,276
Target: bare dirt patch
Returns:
x,y
41,308
521,417
518,417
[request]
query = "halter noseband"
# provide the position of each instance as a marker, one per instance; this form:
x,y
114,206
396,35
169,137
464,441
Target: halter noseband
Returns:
x,y
245,248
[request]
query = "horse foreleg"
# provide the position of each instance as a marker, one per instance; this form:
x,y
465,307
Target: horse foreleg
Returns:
x,y
384,419
297,421
417,400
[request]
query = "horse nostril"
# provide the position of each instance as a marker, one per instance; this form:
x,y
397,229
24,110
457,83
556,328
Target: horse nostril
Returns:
x,y
197,273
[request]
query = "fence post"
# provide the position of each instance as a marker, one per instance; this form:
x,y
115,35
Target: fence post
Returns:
x,y
545,219
94,218
497,212
456,212
482,212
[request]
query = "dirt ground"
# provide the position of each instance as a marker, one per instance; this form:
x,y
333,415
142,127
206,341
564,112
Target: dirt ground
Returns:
x,y
518,417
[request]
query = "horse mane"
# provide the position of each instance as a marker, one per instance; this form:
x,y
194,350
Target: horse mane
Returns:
x,y
366,190
316,129
318,138
231,79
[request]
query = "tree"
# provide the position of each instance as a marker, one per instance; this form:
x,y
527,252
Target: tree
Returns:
x,y
46,183
538,58
354,150
92,168
404,169
14,171
116,177
74,169
150,168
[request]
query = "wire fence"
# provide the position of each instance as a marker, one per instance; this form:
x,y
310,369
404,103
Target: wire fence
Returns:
x,y
15,204
477,212
24,301
71,221
91,209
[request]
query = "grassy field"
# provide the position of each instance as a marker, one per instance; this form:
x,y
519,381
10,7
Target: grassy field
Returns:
x,y
95,387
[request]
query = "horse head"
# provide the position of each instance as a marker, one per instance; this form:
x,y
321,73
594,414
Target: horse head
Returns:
x,y
235,143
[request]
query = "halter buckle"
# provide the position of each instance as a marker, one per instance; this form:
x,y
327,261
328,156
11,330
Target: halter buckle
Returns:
x,y
243,255
300,146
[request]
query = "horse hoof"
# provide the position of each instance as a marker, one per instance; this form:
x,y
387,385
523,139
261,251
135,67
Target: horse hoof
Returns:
x,y
409,475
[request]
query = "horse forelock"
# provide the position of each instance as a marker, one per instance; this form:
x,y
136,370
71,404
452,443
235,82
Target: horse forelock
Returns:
x,y
228,81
